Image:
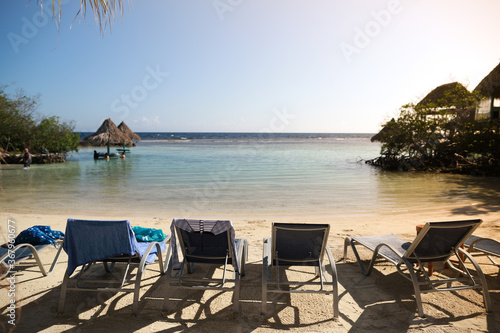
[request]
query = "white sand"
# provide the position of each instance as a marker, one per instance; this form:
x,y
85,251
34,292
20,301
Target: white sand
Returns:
x,y
381,302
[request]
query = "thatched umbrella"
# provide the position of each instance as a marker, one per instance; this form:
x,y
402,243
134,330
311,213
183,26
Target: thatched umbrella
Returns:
x,y
128,132
490,85
107,132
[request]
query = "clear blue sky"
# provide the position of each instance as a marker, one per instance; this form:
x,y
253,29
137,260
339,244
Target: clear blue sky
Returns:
x,y
246,65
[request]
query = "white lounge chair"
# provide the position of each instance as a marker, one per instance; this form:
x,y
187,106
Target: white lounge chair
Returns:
x,y
25,251
205,242
110,242
486,246
437,241
296,244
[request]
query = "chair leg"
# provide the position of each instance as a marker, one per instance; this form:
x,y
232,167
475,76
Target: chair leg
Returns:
x,y
62,296
168,279
266,271
416,287
56,258
335,286
236,294
137,290
484,283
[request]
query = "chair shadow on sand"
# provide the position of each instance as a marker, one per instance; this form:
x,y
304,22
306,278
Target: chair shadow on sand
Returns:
x,y
41,313
388,306
104,311
209,313
387,301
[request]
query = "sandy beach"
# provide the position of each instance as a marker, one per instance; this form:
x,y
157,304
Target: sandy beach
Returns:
x,y
381,302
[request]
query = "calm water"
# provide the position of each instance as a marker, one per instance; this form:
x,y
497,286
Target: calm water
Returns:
x,y
236,174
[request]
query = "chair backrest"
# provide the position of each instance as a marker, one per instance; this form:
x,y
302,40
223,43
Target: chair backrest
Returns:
x,y
438,240
204,247
299,244
87,241
205,241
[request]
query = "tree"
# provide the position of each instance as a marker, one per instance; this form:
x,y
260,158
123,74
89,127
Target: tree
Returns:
x,y
441,135
21,126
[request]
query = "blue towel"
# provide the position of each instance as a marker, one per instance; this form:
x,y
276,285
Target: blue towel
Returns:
x,y
39,234
88,241
148,234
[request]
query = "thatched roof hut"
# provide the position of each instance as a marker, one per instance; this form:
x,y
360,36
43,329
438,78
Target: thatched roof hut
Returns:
x,y
489,88
107,131
386,132
490,85
445,97
128,132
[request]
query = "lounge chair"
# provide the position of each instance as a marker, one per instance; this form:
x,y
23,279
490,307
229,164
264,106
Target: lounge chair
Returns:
x,y
294,244
109,242
486,246
437,242
208,242
25,251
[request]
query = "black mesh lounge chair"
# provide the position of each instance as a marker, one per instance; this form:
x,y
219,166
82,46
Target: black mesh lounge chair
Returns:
x,y
294,244
486,246
109,242
25,251
437,242
207,242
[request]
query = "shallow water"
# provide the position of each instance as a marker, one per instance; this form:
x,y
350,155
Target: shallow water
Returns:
x,y
258,177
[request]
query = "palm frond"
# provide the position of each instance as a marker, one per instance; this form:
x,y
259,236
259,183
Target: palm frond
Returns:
x,y
104,11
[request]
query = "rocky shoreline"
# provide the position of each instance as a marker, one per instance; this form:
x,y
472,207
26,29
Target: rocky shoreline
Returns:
x,y
35,159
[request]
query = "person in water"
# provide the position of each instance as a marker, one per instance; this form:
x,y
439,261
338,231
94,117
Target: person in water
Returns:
x,y
26,158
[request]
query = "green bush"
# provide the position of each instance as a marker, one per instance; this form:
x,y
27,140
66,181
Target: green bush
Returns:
x,y
22,127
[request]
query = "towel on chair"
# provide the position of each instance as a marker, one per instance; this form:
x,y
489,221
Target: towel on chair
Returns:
x,y
89,241
39,234
148,234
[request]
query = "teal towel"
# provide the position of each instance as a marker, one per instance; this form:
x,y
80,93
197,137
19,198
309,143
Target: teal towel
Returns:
x,y
148,234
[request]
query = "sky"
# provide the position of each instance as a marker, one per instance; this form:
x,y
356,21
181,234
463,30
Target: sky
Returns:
x,y
322,66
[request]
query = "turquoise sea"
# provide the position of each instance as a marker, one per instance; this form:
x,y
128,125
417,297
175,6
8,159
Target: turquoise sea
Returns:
x,y
237,174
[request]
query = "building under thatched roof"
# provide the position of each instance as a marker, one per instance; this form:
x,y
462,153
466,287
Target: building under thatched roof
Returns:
x,y
490,85
489,88
445,98
107,131
128,132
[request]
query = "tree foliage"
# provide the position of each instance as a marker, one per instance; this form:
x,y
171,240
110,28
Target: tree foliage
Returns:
x,y
441,136
22,127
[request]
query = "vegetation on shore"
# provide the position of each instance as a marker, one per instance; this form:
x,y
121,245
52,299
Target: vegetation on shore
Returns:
x,y
441,135
22,127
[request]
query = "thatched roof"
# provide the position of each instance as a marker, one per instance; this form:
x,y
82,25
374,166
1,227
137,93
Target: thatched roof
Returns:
x,y
107,131
445,97
490,85
386,131
128,132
